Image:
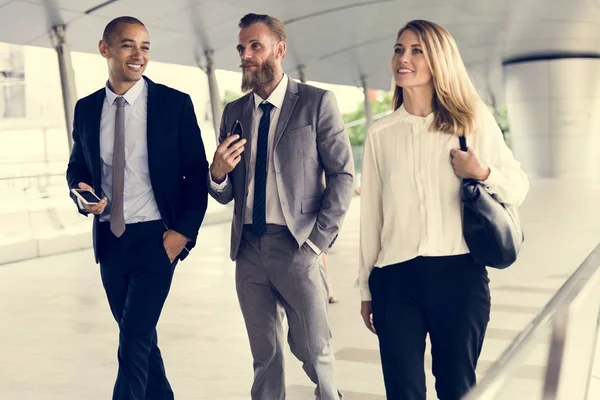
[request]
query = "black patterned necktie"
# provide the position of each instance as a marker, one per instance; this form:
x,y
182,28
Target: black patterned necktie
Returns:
x,y
259,211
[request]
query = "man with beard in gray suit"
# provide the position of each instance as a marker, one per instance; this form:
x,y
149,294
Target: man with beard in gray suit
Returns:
x,y
285,213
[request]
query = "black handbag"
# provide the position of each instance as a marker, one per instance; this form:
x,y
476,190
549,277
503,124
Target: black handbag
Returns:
x,y
491,229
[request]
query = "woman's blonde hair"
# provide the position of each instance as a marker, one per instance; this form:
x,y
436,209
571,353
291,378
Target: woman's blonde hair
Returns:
x,y
455,99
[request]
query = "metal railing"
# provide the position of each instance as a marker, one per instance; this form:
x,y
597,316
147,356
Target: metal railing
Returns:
x,y
573,316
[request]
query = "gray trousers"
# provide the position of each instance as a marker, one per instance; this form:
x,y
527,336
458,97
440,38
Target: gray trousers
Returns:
x,y
273,276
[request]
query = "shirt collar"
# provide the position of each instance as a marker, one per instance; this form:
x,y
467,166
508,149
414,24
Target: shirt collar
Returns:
x,y
406,116
130,96
276,98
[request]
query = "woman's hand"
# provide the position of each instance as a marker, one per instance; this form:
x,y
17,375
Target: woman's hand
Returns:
x,y
467,165
366,311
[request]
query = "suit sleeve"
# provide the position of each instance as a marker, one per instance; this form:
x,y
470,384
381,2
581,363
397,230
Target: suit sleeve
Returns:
x,y
335,153
194,168
77,169
222,194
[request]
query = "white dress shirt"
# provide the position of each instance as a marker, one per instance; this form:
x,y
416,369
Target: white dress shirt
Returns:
x,y
410,196
138,199
274,212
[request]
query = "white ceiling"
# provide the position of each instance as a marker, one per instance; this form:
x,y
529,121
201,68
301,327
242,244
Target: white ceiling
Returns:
x,y
337,40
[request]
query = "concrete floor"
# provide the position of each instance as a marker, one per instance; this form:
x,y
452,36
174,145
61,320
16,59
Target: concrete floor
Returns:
x,y
58,339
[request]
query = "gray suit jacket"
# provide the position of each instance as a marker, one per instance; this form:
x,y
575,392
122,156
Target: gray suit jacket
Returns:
x,y
310,140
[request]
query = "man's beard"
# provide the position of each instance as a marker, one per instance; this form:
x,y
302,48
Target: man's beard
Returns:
x,y
262,76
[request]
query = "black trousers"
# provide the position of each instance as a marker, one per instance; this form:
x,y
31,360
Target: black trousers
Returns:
x,y
445,297
137,274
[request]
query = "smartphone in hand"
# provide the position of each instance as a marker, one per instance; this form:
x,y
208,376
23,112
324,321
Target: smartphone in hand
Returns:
x,y
86,197
236,130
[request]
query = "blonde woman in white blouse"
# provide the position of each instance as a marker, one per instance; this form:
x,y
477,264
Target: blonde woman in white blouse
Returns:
x,y
416,274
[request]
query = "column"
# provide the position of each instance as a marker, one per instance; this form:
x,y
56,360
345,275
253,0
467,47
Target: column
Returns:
x,y
553,105
213,88
368,112
67,77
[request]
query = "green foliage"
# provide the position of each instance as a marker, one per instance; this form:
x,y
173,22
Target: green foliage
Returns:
x,y
357,133
501,115
230,96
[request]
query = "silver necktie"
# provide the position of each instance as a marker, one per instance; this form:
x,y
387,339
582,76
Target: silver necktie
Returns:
x,y
117,216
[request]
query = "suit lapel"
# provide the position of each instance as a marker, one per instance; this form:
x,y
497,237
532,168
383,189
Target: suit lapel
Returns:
x,y
153,122
93,128
289,102
246,120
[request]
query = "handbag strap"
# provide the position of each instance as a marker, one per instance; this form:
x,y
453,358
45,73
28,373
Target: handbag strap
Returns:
x,y
463,142
463,146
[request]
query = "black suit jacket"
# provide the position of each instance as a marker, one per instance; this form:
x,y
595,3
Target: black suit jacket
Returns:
x,y
176,158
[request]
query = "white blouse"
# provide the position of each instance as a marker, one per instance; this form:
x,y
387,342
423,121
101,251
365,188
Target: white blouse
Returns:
x,y
410,196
